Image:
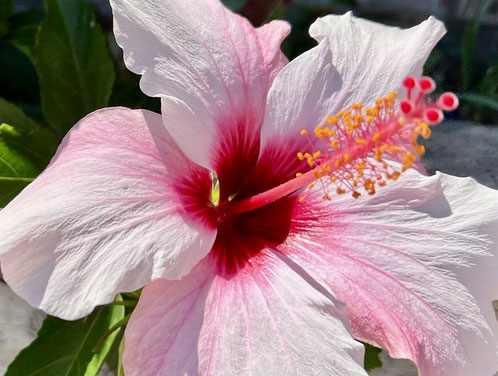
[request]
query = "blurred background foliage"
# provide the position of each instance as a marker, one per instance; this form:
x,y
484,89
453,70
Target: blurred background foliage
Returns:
x,y
59,61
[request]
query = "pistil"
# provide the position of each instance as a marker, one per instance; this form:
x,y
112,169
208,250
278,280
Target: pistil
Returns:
x,y
358,146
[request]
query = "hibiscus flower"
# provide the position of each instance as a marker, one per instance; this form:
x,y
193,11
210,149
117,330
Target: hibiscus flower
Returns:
x,y
262,280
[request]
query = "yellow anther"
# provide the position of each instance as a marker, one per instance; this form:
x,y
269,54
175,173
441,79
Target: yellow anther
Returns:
x,y
333,179
357,106
300,156
302,198
361,141
410,156
326,196
304,132
311,185
414,139
347,158
372,111
310,161
307,155
298,174
338,163
334,143
408,159
376,137
377,155
356,194
317,154
340,191
420,149
319,174
361,165
332,120
319,131
422,129
393,176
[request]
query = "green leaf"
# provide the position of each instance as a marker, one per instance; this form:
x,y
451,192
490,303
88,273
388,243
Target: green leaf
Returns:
x,y
24,29
469,39
234,5
25,150
74,65
120,358
18,80
68,348
489,84
372,357
480,100
6,10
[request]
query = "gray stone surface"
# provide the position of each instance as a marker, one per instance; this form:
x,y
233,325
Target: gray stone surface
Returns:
x,y
394,367
464,149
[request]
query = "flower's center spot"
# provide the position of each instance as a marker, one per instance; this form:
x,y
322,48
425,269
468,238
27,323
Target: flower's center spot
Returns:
x,y
352,149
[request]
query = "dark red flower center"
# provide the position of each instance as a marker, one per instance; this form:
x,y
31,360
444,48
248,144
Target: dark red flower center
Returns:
x,y
242,236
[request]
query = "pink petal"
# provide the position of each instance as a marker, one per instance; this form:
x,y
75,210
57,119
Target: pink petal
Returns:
x,y
265,320
212,70
118,206
416,266
270,37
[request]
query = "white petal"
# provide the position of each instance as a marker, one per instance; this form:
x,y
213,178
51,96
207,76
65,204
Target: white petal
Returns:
x,y
366,61
301,96
373,59
115,209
